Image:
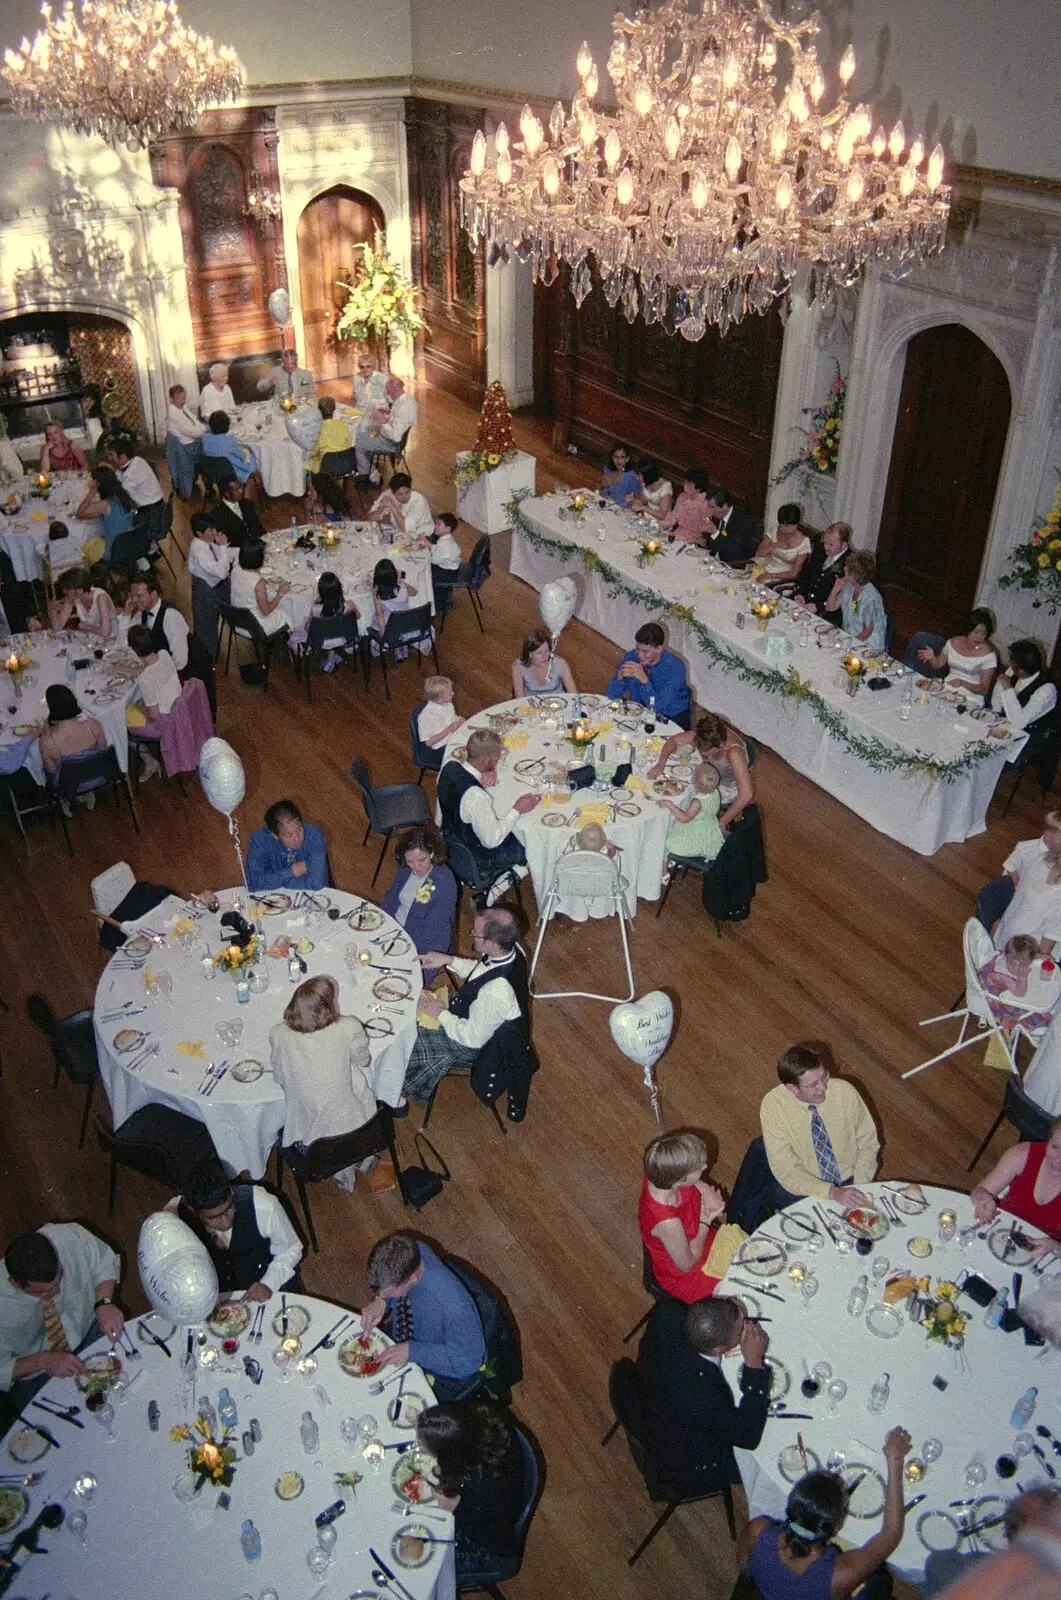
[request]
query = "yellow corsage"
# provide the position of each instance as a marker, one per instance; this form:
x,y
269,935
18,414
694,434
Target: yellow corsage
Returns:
x,y
424,893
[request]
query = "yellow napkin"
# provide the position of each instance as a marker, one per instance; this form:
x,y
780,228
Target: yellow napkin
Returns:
x,y
38,516
560,798
191,1047
424,1019
604,727
515,741
636,783
134,717
597,811
654,744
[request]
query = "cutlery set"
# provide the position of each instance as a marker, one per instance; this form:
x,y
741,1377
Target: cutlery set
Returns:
x,y
53,1409
328,1340
148,1053
149,1333
212,1077
257,1321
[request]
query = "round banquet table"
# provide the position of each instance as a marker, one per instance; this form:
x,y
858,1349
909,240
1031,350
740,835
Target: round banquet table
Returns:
x,y
24,535
969,1414
281,462
245,1118
141,1539
536,760
103,689
359,545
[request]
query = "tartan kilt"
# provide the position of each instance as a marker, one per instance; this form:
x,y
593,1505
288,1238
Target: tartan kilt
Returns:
x,y
434,1055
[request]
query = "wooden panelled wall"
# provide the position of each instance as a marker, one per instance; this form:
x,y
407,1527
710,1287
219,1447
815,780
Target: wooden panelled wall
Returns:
x,y
706,404
452,354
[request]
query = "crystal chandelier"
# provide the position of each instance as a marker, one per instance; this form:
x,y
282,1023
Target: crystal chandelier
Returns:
x,y
128,70
717,174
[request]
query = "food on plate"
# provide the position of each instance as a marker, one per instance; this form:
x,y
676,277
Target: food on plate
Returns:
x,y
229,1319
668,786
126,1039
410,1478
899,1288
100,1372
920,1247
360,1356
305,946
864,1220
289,1485
281,948
13,1507
24,1445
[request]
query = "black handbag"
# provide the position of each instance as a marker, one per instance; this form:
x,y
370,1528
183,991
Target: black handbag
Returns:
x,y
419,1185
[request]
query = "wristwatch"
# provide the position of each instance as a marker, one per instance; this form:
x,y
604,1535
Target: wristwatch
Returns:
x,y
106,1301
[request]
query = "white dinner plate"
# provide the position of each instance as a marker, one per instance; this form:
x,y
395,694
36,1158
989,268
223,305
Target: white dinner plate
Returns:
x,y
938,1530
761,1258
782,1379
866,1500
1012,1253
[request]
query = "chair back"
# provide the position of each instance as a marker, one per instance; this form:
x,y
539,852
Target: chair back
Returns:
x,y
345,627
463,864
1030,1120
532,1481
360,775
185,728
324,1157
129,548
243,622
81,774
73,1039
111,887
586,875
151,521
158,1142
624,1396
42,1017
504,1358
978,950
479,562
216,472
424,755
407,627
339,464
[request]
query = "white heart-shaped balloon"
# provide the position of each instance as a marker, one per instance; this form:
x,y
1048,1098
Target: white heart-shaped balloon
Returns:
x,y
221,775
178,1276
304,426
557,603
642,1028
280,306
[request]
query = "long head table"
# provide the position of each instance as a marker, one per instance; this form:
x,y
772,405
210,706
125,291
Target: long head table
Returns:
x,y
926,781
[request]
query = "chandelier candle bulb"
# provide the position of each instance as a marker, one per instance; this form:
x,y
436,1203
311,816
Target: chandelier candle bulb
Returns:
x,y
592,83
642,99
613,151
584,61
672,136
733,159
551,177
935,169
897,141
504,168
847,66
880,144
624,189
784,192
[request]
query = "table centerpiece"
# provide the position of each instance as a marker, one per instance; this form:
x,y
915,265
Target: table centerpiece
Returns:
x,y
855,669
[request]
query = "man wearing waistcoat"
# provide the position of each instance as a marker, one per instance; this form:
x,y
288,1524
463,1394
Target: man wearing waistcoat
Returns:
x,y
468,813
245,1229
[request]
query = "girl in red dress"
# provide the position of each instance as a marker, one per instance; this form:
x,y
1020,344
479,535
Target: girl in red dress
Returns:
x,y
679,1215
1030,1174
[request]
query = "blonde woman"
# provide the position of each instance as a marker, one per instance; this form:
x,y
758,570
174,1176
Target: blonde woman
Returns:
x,y
679,1215
1035,867
322,1062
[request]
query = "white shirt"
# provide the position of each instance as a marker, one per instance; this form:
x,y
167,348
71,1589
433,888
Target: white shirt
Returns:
x,y
244,585
446,554
416,514
370,391
284,1244
299,384
435,716
184,425
403,416
1036,905
1004,699
158,684
174,627
210,562
494,1004
86,1262
140,483
1042,1081
214,399
477,810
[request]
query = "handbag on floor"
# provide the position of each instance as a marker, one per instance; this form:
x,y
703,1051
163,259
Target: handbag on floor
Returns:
x,y
419,1185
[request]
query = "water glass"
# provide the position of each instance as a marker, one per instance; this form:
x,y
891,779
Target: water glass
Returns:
x,y
184,1487
976,1471
348,1429
85,1487
77,1524
1023,1445
931,1450
836,1389
326,1537
813,1244
880,1268
105,1418
948,1226
822,1371
318,1561
967,1234
367,1429
808,1289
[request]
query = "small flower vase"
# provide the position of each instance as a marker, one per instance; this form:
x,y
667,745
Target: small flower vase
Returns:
x,y
16,684
243,989
852,686
762,623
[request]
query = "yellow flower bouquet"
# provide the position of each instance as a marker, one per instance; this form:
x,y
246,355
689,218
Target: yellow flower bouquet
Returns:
x,y
1036,564
943,1322
474,464
211,1460
238,957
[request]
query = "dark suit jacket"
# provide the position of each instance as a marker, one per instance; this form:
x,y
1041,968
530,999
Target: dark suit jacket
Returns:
x,y
738,541
815,582
238,532
689,1419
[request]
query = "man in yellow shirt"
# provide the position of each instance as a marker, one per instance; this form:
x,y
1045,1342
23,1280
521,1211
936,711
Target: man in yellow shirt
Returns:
x,y
819,1137
334,436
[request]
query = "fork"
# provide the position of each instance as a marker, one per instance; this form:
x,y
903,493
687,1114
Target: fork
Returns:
x,y
208,1077
142,1060
378,1387
256,1331
218,1075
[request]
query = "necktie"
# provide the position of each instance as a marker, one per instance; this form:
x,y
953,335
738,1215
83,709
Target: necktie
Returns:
x,y
402,1320
54,1331
823,1148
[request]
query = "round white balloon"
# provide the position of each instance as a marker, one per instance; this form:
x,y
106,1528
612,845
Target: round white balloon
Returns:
x,y
304,426
178,1276
280,306
557,603
642,1028
221,775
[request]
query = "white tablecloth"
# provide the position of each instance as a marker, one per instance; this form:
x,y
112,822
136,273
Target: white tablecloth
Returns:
x,y
24,535
262,427
141,1540
638,827
245,1119
916,810
102,689
970,1414
483,503
353,558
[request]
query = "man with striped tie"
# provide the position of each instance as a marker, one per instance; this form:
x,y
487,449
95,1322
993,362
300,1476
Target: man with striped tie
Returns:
x,y
56,1296
819,1136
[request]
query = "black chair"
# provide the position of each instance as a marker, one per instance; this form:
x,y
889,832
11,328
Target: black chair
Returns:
x,y
139,902
503,1367
26,797
86,774
215,472
239,620
425,756
337,468
392,459
752,1199
73,1042
157,1142
470,575
325,1157
729,884
1040,756
404,631
648,1278
695,864
465,869
312,651
388,807
130,548
487,1577
622,1392
1030,1120
457,1072
163,530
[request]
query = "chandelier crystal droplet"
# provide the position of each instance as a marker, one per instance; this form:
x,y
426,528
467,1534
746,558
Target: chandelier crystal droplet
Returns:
x,y
127,70
718,173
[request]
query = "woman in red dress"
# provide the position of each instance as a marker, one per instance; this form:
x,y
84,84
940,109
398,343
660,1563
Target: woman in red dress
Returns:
x,y
58,453
679,1215
1030,1174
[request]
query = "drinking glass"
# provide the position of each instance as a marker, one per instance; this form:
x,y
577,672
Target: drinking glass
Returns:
x,y
367,1429
813,1244
326,1537
184,1487
822,1371
880,1268
948,1226
914,1470
931,1450
808,1289
1023,1445
967,1234
85,1487
318,1561
836,1390
348,1429
975,1471
105,1418
77,1523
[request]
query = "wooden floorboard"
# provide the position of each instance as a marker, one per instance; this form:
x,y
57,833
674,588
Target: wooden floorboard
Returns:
x,y
851,941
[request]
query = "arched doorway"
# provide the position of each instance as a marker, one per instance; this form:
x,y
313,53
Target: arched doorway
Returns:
x,y
950,434
328,230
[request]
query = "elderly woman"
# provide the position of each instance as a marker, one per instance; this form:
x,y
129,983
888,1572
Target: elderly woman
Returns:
x,y
724,748
219,444
217,396
967,659
783,557
1026,1183
79,605
481,1478
423,896
250,592
69,731
678,1215
795,1559
107,500
322,1062
860,603
538,671
1035,867
58,453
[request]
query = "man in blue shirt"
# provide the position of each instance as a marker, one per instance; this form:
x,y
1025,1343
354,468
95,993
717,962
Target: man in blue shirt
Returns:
x,y
648,671
287,853
433,1318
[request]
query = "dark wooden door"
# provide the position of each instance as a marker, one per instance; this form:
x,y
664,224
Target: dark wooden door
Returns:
x,y
328,231
949,437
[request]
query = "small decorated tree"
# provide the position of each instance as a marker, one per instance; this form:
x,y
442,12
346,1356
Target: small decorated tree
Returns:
x,y
493,443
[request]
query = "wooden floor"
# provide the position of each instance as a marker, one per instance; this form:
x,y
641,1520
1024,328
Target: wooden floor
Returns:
x,y
852,941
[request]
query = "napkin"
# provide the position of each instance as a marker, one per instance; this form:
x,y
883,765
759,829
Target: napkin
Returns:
x,y
525,710
560,798
654,744
184,925
515,741
424,1019
597,811
38,516
191,1047
637,784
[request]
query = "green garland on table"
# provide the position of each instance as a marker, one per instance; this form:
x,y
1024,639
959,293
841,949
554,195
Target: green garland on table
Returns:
x,y
877,755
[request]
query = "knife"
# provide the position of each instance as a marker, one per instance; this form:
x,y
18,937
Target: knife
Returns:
x,y
314,1348
757,1289
147,1333
820,1214
52,1440
62,1412
388,1574
916,1501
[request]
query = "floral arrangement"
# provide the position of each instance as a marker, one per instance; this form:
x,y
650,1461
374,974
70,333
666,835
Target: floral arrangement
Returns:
x,y
238,957
425,891
1037,562
822,449
472,464
17,663
943,1321
40,483
853,665
211,1460
763,610
382,301
650,549
580,734
579,502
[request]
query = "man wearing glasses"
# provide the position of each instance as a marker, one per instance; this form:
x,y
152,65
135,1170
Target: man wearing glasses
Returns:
x,y
370,385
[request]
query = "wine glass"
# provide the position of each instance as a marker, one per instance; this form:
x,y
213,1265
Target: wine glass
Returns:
x,y
1023,1445
836,1389
808,1289
822,1371
77,1524
931,1451
326,1537
976,1471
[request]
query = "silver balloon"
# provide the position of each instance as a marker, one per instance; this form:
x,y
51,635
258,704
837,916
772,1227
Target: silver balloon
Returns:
x,y
221,775
557,603
304,426
176,1271
279,306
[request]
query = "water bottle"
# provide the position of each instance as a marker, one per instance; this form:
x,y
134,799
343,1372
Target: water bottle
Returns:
x,y
906,700
650,719
996,1309
856,1300
878,1395
226,1409
294,969
251,1540
208,1414
1022,1411
294,527
311,1435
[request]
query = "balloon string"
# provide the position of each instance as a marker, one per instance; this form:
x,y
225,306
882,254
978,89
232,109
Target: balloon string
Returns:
x,y
233,828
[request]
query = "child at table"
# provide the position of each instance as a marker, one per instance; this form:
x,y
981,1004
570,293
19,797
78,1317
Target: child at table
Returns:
x,y
695,834
1005,980
593,837
445,558
438,721
330,602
